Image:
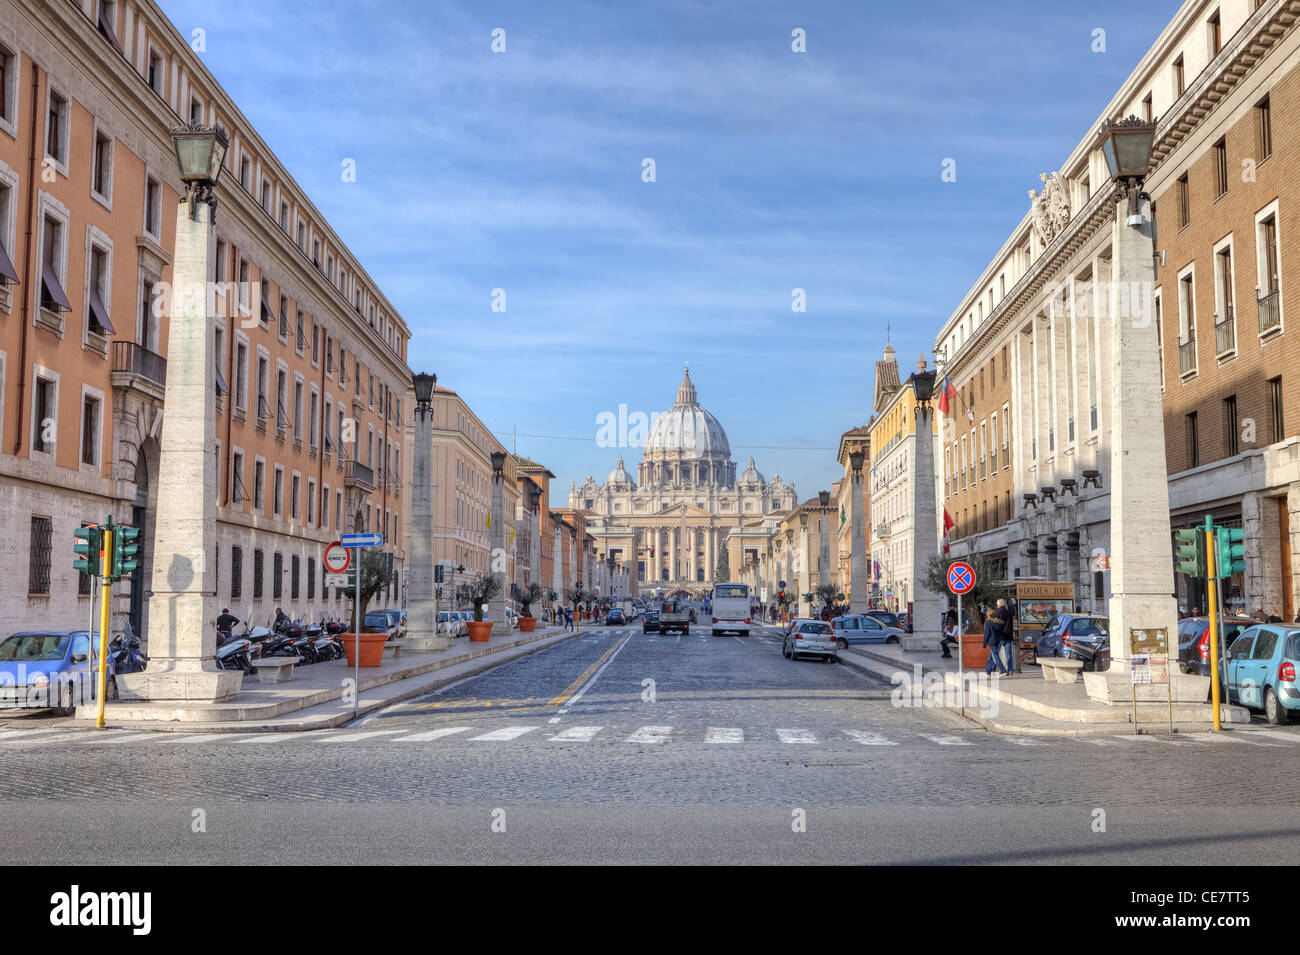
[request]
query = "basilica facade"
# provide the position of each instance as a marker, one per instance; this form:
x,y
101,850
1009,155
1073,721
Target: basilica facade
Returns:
x,y
687,513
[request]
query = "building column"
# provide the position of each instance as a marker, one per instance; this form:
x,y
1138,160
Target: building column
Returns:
x,y
926,622
672,554
422,633
557,568
710,555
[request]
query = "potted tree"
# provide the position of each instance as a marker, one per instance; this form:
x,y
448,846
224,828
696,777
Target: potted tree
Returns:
x,y
527,595
986,591
479,592
376,570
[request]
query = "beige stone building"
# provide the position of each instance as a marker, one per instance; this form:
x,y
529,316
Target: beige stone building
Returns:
x,y
311,366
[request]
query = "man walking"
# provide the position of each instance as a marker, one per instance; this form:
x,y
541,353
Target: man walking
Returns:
x,y
1007,633
992,640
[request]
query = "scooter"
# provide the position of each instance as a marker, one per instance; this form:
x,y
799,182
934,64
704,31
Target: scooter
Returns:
x,y
234,653
125,648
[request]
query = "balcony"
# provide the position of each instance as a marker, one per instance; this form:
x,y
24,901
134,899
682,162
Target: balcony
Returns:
x,y
1270,312
135,366
1187,357
1225,334
359,476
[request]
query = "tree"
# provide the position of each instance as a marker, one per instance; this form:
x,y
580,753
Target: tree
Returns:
x,y
376,569
988,586
527,595
478,592
828,594
722,573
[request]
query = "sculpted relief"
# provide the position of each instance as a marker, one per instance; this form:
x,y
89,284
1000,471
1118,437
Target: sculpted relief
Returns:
x,y
1050,210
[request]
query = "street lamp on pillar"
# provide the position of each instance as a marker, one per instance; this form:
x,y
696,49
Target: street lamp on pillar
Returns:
x,y
857,538
422,632
424,385
1126,146
824,538
200,152
497,544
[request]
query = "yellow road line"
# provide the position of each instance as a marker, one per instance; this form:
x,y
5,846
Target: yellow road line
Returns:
x,y
577,684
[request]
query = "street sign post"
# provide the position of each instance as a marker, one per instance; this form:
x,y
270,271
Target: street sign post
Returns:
x,y
337,557
961,578
361,540
350,541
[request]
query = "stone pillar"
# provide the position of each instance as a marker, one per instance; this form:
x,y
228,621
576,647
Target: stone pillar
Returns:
x,y
557,569
691,550
824,548
1142,578
422,627
672,553
182,608
926,605
496,608
857,547
535,549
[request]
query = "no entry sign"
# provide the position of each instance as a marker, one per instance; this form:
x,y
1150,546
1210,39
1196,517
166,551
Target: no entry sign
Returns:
x,y
336,558
961,577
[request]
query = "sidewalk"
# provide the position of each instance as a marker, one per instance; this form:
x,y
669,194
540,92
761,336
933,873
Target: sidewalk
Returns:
x,y
1023,704
313,698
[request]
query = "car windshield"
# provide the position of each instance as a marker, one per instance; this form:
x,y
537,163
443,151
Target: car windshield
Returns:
x,y
725,591
815,628
35,646
376,620
888,619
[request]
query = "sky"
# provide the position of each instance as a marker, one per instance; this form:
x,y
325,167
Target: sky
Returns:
x,y
519,179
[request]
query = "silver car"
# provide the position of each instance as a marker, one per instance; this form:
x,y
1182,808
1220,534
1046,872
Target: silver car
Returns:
x,y
811,638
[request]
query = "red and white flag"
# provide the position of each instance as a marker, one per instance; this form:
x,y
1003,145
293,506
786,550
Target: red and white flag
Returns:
x,y
948,524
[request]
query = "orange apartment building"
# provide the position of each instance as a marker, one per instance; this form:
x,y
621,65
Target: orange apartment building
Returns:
x,y
312,357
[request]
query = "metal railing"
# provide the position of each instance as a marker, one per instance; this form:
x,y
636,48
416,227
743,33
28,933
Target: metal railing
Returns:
x,y
359,472
138,360
1270,311
1225,333
1187,356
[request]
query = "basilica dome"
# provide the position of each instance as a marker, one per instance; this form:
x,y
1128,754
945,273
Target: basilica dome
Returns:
x,y
686,430
620,475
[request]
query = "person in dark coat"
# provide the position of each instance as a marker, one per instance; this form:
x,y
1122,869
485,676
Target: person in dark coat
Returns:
x,y
993,640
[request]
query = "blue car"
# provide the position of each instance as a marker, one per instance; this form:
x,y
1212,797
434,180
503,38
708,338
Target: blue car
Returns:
x,y
861,628
1259,671
41,669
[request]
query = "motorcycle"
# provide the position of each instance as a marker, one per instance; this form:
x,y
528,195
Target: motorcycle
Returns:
x,y
234,653
125,648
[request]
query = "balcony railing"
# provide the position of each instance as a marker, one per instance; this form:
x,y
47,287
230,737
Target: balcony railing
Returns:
x,y
137,360
1225,333
1270,312
1187,356
358,473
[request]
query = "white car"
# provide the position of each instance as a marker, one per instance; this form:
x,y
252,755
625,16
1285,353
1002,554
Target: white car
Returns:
x,y
811,638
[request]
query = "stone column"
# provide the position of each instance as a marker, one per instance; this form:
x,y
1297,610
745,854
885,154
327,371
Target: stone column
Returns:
x,y
422,628
496,608
1141,543
557,569
672,554
824,548
535,548
183,607
926,605
857,547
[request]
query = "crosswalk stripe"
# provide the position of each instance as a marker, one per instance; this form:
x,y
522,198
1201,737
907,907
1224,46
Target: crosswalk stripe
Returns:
x,y
1292,738
21,736
191,738
510,732
869,739
1148,738
650,734
796,736
269,737
577,734
1021,741
1241,738
112,736
1097,742
355,737
42,738
431,735
946,740
722,734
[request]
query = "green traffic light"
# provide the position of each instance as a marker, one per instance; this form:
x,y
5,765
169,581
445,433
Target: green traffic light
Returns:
x,y
1230,550
126,551
1189,551
87,547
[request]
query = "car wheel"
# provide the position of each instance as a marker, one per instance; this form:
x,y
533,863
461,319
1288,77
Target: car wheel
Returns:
x,y
891,639
1273,709
67,702
843,643
110,693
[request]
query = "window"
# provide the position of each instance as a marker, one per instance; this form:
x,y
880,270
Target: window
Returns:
x,y
1264,128
294,489
259,483
311,578
311,500
1275,408
8,87
277,492
1214,27
245,286
237,478
1268,289
53,261
257,574
1180,85
263,383
153,208
7,271
266,196
97,291
1184,201
44,414
1146,108
1221,165
311,419
101,167
284,217
277,575
297,411
38,572
1230,425
246,174
196,111
293,577
241,376
1193,442
156,72
90,424
236,572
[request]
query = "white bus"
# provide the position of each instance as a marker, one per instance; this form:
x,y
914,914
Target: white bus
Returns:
x,y
730,608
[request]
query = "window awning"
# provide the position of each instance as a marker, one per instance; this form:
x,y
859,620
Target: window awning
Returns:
x,y
267,314
52,289
7,269
328,442
221,383
99,314
106,26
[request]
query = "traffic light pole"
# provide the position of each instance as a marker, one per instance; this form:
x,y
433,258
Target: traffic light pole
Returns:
x,y
1212,568
109,532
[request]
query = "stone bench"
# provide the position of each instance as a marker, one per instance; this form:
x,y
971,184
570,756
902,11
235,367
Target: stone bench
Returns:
x,y
1063,670
275,669
393,648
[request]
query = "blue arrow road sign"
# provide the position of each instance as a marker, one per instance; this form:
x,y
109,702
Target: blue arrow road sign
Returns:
x,y
361,540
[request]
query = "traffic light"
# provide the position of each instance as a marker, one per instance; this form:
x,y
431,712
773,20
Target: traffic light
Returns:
x,y
1231,550
1189,551
87,547
126,551
437,573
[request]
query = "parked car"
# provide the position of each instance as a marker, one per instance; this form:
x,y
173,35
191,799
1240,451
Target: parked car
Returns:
x,y
447,624
859,628
1078,637
57,669
812,638
379,621
396,622
650,622
1194,640
886,618
1260,670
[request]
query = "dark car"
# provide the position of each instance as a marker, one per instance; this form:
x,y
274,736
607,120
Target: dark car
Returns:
x,y
886,618
615,617
1078,637
650,622
1194,641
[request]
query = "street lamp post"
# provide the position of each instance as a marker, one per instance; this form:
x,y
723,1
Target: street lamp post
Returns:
x,y
182,641
857,532
926,612
535,543
497,545
422,633
824,538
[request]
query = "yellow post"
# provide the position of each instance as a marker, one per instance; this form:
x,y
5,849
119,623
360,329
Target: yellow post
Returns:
x,y
106,556
1211,558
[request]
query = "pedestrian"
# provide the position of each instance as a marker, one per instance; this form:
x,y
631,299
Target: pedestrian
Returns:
x,y
949,634
568,619
227,620
1273,617
992,639
1259,613
1007,633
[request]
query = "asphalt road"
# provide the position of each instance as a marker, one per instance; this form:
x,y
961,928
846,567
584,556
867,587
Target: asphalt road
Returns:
x,y
626,747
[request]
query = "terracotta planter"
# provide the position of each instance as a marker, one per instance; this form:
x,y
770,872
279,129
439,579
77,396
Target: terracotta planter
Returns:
x,y
526,624
372,648
973,656
480,631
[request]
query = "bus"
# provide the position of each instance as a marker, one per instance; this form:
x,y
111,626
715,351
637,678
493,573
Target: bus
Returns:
x,y
730,609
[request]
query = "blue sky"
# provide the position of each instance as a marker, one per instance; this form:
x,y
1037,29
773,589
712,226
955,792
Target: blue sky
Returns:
x,y
774,170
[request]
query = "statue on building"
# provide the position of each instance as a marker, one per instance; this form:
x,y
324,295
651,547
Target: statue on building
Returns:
x,y
1050,210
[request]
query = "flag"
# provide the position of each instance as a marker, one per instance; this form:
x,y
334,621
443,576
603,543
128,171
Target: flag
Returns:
x,y
841,513
512,536
948,524
946,393
488,522
875,568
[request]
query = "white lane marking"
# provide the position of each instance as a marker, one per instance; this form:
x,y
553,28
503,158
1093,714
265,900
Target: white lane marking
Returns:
x,y
650,734
553,719
722,734
946,740
510,732
869,739
1227,738
1150,738
355,737
1097,742
577,734
596,676
45,737
20,736
270,738
189,738
1021,741
113,736
431,734
1292,738
796,736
